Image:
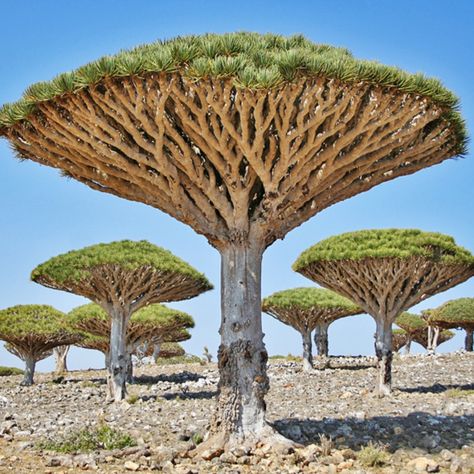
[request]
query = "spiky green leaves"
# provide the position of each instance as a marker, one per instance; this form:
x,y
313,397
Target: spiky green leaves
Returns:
x,y
309,299
380,243
75,266
411,322
252,60
457,313
25,320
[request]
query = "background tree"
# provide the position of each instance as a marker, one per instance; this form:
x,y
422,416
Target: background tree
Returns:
x,y
121,277
243,137
304,308
166,350
456,314
60,356
155,323
385,272
414,325
422,339
32,332
399,339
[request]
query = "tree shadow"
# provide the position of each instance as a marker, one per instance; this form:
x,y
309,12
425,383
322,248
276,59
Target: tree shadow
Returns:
x,y
179,377
425,431
204,395
436,388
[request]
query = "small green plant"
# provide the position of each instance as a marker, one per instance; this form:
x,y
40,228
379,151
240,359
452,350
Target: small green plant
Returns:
x,y
6,371
88,440
326,444
186,359
458,392
196,438
132,399
373,455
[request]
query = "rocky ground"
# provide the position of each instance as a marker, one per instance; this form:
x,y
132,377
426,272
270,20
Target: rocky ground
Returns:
x,y
426,426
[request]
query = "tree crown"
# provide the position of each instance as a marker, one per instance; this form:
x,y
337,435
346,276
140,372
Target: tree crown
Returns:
x,y
75,266
457,313
308,299
411,322
381,243
27,320
251,60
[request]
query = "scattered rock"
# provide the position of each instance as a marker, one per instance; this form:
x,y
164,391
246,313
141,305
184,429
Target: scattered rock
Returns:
x,y
131,466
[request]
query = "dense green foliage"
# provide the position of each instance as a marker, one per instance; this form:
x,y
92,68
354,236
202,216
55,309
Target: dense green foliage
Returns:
x,y
308,299
75,266
25,320
88,440
411,322
456,313
251,60
6,371
154,314
380,243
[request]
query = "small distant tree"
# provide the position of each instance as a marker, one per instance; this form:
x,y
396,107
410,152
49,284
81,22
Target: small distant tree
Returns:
x,y
399,339
60,356
207,355
455,314
386,272
431,345
156,323
171,349
32,332
304,308
414,325
121,277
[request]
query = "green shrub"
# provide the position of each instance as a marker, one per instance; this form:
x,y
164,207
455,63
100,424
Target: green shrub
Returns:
x,y
373,455
88,440
186,359
6,371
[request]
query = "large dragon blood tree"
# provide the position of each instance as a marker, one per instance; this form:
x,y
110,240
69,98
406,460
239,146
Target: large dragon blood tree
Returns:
x,y
243,137
121,277
32,332
154,323
455,314
386,271
304,309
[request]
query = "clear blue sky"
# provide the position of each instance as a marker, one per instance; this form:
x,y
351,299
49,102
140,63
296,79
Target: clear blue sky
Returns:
x,y
44,215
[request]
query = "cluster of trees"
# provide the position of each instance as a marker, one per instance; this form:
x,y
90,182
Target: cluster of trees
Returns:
x,y
244,137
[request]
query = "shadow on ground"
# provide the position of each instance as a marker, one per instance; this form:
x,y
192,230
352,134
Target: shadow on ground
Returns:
x,y
417,430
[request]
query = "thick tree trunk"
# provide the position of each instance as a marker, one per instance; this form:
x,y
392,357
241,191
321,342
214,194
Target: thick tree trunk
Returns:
x,y
307,351
468,341
117,370
107,360
30,364
383,350
321,339
60,354
239,419
129,367
408,345
434,341
156,352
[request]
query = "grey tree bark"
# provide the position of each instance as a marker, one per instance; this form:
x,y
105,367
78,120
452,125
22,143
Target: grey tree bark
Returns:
x,y
60,355
383,351
117,370
30,364
129,366
408,345
434,341
156,351
468,341
321,339
307,351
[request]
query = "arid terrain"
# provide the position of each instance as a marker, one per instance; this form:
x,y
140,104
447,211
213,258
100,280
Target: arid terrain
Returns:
x,y
343,427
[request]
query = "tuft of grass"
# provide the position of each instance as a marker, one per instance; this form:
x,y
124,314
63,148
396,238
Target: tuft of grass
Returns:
x,y
132,399
88,440
326,444
6,371
459,392
197,438
373,455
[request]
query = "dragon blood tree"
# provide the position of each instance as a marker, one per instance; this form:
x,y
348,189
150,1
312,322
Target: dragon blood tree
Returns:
x,y
60,356
32,332
304,309
155,322
414,326
385,272
121,277
165,350
431,345
243,137
399,339
456,314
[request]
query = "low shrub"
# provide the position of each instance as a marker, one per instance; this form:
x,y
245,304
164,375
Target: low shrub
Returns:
x,y
6,371
373,455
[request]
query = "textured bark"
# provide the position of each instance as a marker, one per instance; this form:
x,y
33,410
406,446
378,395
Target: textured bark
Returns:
x,y
129,377
30,364
468,341
307,351
408,345
60,355
156,352
321,339
383,351
118,363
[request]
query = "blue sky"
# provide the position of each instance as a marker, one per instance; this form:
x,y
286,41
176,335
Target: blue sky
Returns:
x,y
44,215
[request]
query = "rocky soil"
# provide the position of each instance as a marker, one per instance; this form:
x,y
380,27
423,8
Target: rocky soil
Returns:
x,y
426,426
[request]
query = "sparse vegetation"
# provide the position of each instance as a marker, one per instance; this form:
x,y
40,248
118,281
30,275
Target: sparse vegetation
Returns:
x,y
326,444
373,455
186,359
132,399
88,440
459,392
6,371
